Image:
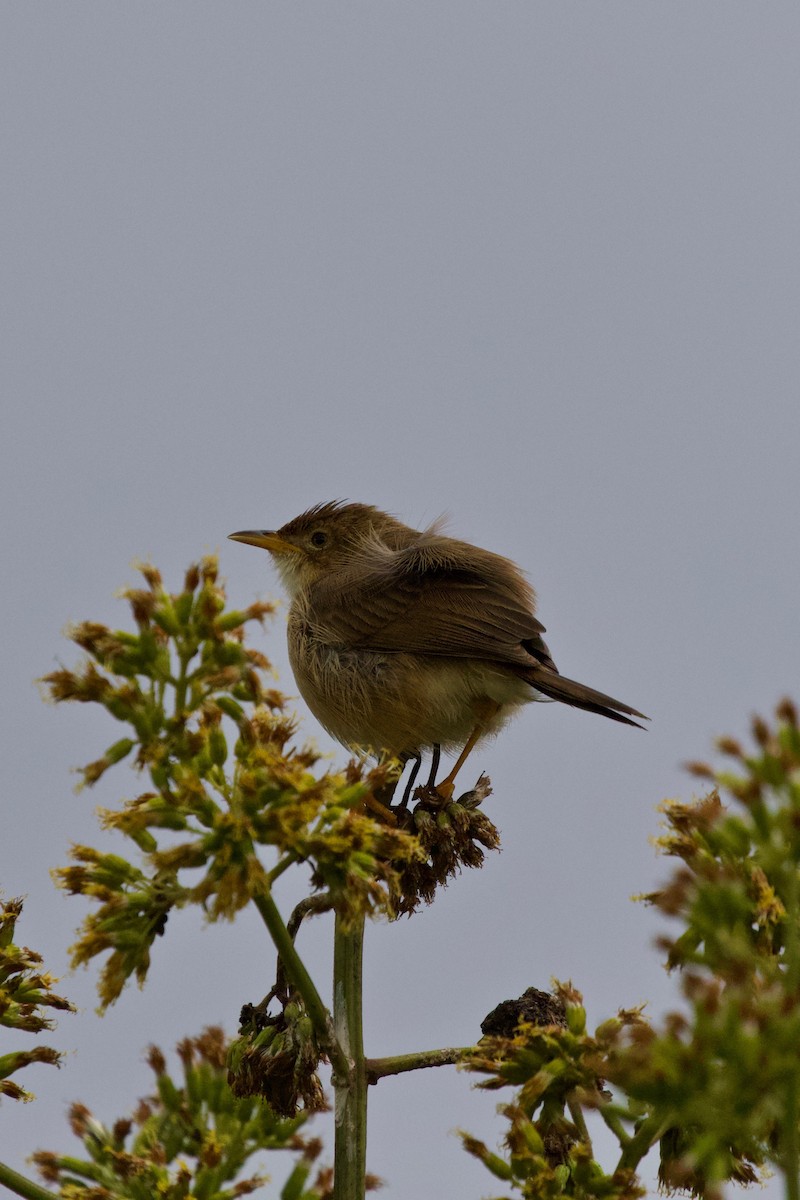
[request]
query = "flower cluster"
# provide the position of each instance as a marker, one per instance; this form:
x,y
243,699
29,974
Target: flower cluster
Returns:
x,y
191,1137
277,1057
452,834
26,993
226,780
717,1085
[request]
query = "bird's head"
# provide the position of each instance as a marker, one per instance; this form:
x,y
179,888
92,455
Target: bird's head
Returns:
x,y
324,539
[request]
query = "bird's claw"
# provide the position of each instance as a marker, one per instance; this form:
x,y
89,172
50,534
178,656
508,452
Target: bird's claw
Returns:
x,y
443,794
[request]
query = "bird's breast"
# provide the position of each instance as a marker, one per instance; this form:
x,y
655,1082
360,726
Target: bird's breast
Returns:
x,y
391,702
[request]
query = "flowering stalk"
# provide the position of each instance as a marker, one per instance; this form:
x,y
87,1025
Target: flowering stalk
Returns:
x,y
350,1086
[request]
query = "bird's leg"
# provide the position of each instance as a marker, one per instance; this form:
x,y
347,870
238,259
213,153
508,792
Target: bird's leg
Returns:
x,y
435,756
448,786
376,806
417,760
488,710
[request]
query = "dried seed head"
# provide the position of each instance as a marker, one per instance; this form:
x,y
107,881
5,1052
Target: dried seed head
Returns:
x,y
701,769
192,578
155,1060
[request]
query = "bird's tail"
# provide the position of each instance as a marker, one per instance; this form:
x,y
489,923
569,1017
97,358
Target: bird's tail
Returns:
x,y
557,687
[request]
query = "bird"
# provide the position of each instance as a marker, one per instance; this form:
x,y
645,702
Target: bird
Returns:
x,y
405,641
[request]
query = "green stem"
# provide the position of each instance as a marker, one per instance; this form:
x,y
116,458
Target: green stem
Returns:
x,y
21,1186
396,1064
281,865
350,1143
576,1112
646,1136
615,1124
301,980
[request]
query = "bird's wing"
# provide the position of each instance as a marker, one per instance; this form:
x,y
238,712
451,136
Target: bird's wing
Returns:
x,y
436,596
441,597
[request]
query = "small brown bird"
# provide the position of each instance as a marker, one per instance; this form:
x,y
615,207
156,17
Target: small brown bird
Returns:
x,y
403,640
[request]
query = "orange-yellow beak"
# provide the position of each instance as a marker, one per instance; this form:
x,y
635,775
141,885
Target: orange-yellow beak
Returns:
x,y
265,539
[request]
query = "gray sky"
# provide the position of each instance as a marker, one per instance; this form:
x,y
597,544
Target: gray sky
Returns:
x,y
532,264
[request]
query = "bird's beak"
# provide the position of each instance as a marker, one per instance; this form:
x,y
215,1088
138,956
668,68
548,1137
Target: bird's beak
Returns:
x,y
265,539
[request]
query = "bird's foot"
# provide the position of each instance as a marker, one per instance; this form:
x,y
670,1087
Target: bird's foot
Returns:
x,y
443,794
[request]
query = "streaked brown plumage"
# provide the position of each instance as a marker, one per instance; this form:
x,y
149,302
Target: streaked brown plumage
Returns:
x,y
402,640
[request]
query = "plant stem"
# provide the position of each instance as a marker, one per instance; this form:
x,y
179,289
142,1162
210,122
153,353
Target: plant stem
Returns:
x,y
350,1144
395,1064
21,1186
300,979
615,1124
578,1120
282,865
646,1136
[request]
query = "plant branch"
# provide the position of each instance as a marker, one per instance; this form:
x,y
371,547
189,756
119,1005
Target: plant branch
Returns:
x,y
22,1186
301,980
576,1112
612,1119
282,865
318,903
396,1064
646,1136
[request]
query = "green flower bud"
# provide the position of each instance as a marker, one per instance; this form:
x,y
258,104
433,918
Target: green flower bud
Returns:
x,y
143,839
218,746
119,750
532,1136
183,607
497,1165
576,1018
159,775
231,620
264,1037
166,618
229,706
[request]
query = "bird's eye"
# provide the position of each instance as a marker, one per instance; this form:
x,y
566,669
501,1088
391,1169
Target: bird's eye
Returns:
x,y
319,538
